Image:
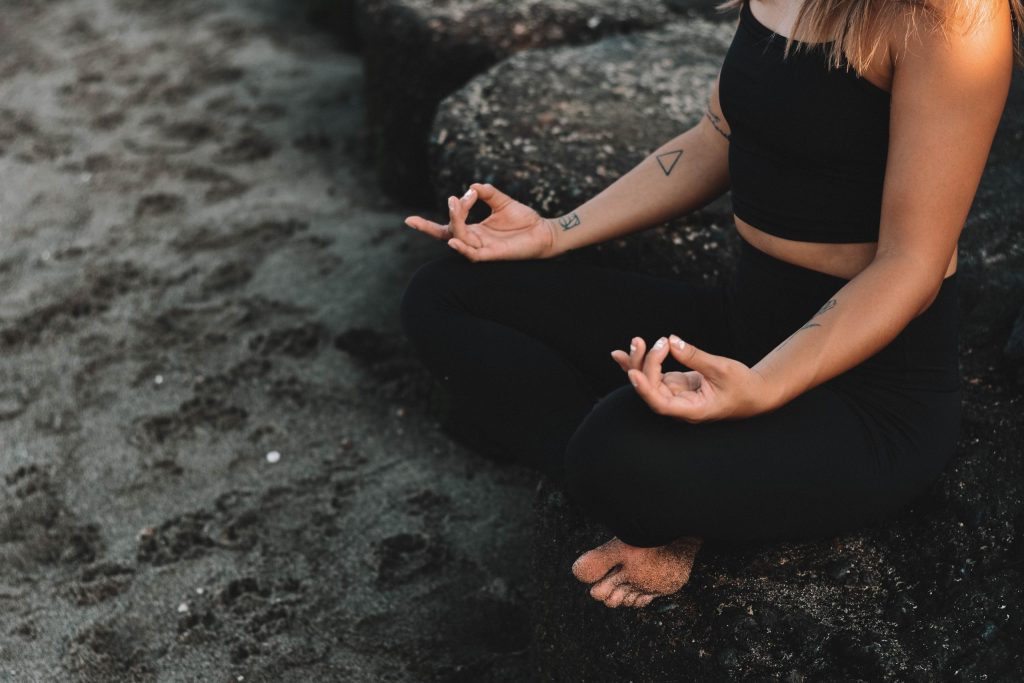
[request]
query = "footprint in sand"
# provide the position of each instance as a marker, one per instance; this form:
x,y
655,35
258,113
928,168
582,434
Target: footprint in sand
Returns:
x,y
158,204
404,556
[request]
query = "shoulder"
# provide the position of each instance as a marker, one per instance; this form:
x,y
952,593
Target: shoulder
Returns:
x,y
955,30
946,51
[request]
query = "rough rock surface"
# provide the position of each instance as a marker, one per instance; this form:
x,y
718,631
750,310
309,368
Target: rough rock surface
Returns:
x,y
933,594
553,127
419,51
991,247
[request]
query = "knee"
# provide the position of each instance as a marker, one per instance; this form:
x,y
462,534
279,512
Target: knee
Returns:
x,y
602,452
428,289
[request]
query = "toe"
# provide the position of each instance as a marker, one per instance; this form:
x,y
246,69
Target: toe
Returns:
x,y
603,588
594,564
630,599
617,596
644,600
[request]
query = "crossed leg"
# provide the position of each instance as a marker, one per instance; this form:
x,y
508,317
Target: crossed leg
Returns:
x,y
523,348
809,469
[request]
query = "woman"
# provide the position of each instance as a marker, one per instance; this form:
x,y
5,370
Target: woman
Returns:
x,y
819,390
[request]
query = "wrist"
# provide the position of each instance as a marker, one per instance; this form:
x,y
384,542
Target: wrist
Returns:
x,y
556,247
770,395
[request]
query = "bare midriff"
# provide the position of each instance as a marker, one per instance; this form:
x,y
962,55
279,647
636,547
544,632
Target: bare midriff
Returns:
x,y
842,260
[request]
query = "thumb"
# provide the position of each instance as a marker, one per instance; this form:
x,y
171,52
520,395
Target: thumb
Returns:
x,y
494,197
692,357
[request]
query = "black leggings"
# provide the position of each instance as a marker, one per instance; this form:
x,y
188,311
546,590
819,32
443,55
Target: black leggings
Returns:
x,y
523,350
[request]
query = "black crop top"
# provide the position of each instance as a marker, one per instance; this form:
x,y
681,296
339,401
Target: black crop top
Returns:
x,y
808,143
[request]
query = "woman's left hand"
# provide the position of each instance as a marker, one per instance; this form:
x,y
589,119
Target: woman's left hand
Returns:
x,y
716,387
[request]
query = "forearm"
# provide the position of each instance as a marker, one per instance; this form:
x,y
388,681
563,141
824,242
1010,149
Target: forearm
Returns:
x,y
867,313
681,176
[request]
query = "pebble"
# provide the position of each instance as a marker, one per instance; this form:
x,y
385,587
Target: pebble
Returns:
x,y
842,569
728,657
273,456
159,379
11,405
182,608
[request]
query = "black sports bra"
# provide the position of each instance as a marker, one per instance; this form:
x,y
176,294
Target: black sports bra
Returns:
x,y
808,143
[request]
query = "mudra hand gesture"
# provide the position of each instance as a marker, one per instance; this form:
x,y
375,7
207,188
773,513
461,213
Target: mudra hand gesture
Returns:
x,y
512,230
715,388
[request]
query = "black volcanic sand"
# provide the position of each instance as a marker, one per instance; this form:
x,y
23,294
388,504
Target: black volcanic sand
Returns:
x,y
196,274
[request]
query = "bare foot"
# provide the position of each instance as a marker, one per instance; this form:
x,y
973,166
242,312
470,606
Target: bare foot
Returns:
x,y
626,575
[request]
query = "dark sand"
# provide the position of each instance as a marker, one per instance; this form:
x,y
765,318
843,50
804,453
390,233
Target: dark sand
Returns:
x,y
197,271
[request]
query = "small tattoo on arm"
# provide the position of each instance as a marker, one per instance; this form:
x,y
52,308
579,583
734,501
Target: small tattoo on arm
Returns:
x,y
668,160
570,221
715,121
827,306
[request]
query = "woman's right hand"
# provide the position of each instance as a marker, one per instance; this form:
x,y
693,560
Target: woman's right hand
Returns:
x,y
512,230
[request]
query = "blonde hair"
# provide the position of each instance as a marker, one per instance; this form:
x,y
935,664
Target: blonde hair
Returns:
x,y
859,24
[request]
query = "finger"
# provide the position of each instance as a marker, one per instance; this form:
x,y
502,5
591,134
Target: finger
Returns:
x,y
466,203
693,380
685,405
693,358
491,195
637,348
655,357
457,214
648,392
622,358
435,230
680,382
458,227
472,253
469,199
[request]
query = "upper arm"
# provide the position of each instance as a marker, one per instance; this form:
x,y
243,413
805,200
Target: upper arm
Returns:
x,y
948,94
713,123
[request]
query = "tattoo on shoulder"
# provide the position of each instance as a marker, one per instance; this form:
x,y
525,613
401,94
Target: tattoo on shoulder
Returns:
x,y
668,160
570,221
716,121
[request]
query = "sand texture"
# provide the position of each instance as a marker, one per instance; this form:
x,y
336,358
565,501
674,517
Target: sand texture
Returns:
x,y
196,274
